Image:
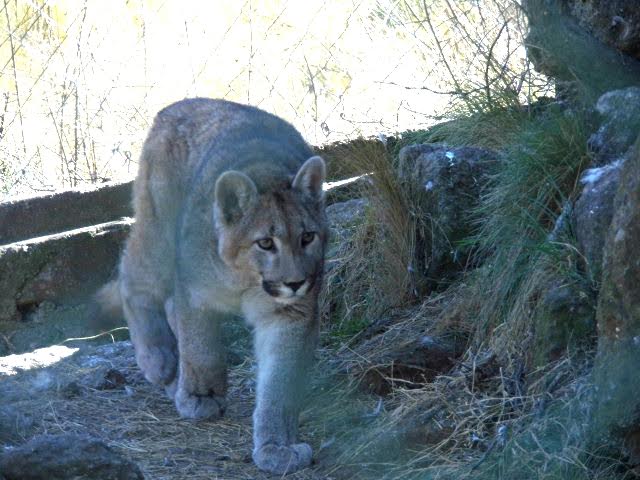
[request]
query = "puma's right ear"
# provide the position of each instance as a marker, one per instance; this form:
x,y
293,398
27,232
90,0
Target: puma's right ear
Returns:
x,y
234,194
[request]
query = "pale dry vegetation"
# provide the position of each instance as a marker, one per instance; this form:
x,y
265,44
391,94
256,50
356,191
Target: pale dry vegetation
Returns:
x,y
81,81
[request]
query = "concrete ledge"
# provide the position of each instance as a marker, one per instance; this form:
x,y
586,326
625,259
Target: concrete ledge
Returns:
x,y
26,218
65,267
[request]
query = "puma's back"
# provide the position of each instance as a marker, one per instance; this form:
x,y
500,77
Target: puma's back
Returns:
x,y
206,137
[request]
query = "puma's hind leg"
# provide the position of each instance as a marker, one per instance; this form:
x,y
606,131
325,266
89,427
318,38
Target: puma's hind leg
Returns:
x,y
154,342
201,385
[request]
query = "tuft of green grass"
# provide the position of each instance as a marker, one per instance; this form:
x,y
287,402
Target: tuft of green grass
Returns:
x,y
525,247
349,328
540,170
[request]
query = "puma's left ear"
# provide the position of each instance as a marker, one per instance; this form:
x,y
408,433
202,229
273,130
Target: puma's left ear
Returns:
x,y
310,178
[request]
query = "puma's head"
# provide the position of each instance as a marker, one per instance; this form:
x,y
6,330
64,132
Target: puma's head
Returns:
x,y
276,239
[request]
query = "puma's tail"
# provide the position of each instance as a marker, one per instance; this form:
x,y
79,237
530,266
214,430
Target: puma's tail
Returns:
x,y
108,306
108,297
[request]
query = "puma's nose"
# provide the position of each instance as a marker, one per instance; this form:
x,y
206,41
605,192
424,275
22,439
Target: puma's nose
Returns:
x,y
294,285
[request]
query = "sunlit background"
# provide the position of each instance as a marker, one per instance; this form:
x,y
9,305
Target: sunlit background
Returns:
x,y
82,80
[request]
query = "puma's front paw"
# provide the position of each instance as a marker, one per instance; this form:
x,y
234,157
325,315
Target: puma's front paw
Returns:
x,y
281,459
199,406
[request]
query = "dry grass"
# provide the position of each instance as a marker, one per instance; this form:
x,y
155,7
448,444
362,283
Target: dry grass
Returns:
x,y
376,268
391,353
139,421
478,423
487,415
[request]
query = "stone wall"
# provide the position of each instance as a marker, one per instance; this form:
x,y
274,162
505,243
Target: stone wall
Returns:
x,y
60,247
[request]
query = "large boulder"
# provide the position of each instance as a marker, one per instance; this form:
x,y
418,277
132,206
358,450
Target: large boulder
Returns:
x,y
593,212
609,145
613,22
617,412
343,217
565,319
66,457
451,180
567,36
620,111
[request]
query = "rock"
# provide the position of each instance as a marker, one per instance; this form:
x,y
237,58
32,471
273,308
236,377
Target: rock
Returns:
x,y
101,377
58,268
613,22
616,419
620,126
66,457
26,218
566,319
343,217
561,45
346,213
593,212
619,308
450,180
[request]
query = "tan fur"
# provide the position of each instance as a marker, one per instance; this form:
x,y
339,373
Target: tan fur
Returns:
x,y
217,183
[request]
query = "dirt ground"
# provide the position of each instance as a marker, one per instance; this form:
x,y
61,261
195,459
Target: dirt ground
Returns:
x,y
99,391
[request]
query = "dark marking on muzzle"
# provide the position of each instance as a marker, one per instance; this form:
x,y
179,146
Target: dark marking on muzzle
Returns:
x,y
312,281
270,288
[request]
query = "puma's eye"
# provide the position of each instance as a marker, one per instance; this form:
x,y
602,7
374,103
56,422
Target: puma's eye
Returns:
x,y
307,238
266,243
